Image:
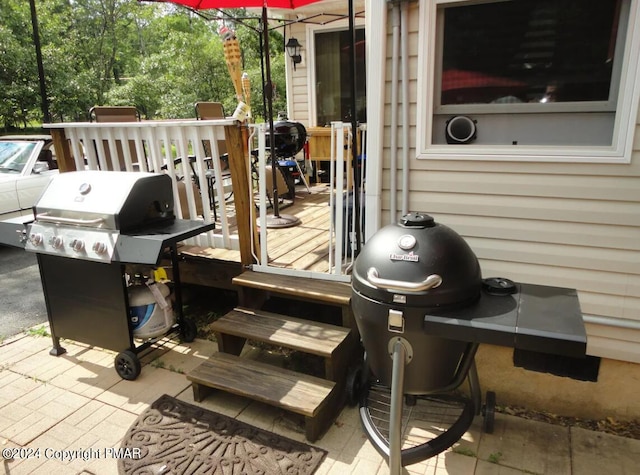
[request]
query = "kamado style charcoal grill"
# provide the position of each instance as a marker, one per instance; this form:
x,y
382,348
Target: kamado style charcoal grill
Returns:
x,y
90,228
422,308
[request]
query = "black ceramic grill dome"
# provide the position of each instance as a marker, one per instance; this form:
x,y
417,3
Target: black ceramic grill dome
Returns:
x,y
289,138
404,272
412,250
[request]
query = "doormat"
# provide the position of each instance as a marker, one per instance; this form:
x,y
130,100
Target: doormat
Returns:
x,y
174,437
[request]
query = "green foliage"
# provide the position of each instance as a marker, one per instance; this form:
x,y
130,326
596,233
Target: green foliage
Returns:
x,y
466,451
37,331
159,57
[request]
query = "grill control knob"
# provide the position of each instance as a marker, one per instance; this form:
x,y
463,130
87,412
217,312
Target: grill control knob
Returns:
x,y
99,248
77,245
56,242
36,239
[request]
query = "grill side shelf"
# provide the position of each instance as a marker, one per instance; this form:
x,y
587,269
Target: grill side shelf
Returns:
x,y
146,247
538,318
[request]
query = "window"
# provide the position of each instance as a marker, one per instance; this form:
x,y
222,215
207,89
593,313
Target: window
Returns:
x,y
333,77
530,73
529,51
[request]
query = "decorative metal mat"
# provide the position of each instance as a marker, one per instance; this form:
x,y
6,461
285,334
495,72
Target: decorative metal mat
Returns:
x,y
174,437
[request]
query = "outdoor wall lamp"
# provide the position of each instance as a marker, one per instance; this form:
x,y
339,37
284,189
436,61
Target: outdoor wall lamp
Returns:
x,y
293,50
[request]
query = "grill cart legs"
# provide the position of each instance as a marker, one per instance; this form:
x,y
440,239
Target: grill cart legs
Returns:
x,y
88,302
395,422
384,411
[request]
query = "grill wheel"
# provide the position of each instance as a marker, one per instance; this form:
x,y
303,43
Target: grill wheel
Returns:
x,y
128,365
188,330
488,412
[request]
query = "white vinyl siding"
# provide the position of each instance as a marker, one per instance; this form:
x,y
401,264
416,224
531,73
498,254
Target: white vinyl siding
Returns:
x,y
298,100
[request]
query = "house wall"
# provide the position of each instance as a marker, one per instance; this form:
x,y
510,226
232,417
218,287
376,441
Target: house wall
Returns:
x,y
330,14
574,225
563,224
298,103
571,225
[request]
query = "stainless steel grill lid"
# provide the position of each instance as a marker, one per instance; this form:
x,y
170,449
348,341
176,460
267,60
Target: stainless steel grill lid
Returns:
x,y
114,200
418,262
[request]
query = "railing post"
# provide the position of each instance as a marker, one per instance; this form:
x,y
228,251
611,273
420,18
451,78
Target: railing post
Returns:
x,y
61,145
242,194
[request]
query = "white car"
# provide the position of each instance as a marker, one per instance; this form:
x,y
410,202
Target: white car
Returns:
x,y
27,163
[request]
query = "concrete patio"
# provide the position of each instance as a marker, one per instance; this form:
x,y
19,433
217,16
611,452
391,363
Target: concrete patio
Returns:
x,y
77,401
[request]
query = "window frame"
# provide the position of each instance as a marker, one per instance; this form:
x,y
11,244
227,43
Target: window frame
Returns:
x,y
626,103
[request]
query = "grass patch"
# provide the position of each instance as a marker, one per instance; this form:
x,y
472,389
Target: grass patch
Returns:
x,y
204,305
173,369
162,365
495,457
37,331
464,451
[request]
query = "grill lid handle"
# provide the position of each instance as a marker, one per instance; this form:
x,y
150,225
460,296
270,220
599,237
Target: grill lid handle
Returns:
x,y
433,281
75,221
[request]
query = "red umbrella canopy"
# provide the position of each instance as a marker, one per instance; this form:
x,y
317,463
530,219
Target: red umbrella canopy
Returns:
x,y
204,4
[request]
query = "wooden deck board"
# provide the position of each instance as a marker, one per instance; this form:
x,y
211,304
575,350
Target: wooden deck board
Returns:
x,y
335,293
303,247
295,392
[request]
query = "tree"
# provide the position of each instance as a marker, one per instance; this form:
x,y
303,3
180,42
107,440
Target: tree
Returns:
x,y
159,57
18,91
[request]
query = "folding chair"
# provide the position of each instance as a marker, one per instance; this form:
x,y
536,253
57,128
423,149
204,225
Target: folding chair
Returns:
x,y
116,114
210,111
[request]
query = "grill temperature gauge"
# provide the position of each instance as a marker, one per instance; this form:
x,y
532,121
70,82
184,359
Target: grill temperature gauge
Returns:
x,y
406,242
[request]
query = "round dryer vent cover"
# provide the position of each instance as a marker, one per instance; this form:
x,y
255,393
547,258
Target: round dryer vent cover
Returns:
x,y
460,130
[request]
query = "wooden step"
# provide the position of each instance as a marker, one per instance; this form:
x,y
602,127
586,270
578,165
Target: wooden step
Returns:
x,y
316,290
335,344
314,398
254,288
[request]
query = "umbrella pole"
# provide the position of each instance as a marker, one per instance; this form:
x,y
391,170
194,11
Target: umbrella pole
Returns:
x,y
354,132
276,220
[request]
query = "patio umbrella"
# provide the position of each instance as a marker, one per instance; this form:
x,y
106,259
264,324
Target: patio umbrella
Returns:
x,y
276,220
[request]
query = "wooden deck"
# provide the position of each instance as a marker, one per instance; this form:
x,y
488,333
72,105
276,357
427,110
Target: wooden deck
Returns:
x,y
303,247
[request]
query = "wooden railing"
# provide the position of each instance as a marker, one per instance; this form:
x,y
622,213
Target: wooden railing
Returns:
x,y
175,147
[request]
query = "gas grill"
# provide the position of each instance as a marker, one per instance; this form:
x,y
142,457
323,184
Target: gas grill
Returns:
x,y
89,229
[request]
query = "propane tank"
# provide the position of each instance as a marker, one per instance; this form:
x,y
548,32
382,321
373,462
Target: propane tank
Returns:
x,y
150,309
